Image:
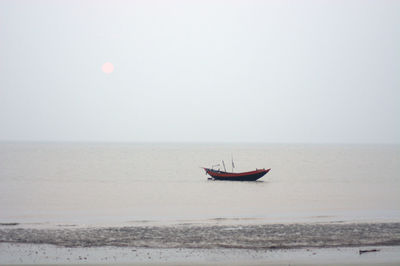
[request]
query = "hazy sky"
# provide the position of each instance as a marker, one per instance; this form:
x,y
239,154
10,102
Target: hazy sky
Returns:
x,y
248,71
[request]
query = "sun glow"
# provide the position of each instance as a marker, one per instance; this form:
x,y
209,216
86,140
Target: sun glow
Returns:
x,y
107,68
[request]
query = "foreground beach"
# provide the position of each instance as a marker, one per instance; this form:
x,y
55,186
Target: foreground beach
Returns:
x,y
33,254
280,244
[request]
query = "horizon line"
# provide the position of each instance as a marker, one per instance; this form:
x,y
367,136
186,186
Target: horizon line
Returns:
x,y
193,142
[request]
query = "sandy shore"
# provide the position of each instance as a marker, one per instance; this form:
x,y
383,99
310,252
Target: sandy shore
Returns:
x,y
266,236
266,244
34,254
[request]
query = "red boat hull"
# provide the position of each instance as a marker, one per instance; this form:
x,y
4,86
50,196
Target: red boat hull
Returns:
x,y
246,176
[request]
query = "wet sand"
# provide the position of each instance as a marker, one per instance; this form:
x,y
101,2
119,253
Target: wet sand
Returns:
x,y
27,254
263,236
264,244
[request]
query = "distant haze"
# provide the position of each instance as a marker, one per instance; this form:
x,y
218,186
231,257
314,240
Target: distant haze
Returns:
x,y
213,71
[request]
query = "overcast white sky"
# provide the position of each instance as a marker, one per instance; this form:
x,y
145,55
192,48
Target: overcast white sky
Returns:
x,y
246,71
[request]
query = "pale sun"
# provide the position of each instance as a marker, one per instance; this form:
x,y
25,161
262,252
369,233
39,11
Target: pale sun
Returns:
x,y
107,68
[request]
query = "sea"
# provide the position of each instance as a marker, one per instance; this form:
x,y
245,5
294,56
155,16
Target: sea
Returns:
x,y
128,184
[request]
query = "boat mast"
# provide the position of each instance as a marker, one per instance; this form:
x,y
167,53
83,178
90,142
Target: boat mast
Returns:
x,y
223,163
233,164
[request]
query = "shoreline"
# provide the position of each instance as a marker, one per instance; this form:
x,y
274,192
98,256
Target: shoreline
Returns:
x,y
323,243
310,218
260,236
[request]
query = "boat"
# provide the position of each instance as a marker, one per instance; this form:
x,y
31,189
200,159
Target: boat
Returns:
x,y
244,176
217,174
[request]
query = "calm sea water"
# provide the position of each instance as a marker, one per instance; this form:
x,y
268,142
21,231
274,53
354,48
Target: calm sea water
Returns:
x,y
163,183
